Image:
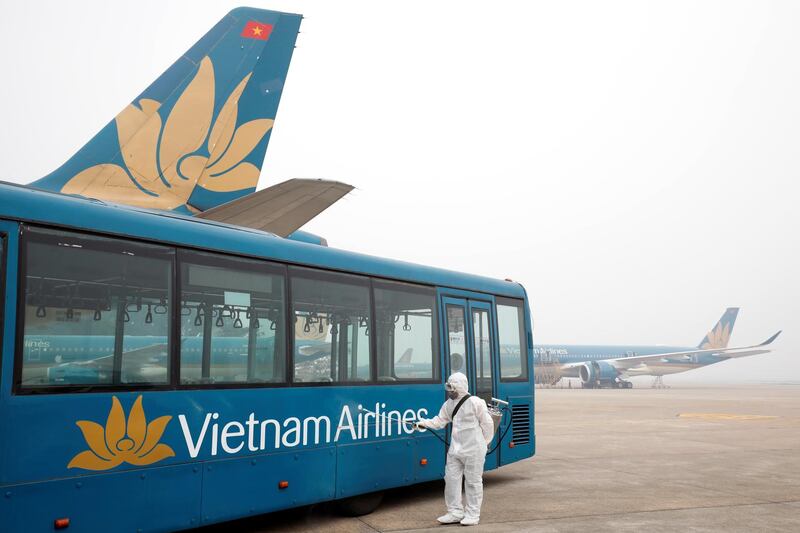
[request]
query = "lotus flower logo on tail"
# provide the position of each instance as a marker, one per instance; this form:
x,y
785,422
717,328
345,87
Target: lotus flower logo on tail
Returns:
x,y
134,442
717,337
164,162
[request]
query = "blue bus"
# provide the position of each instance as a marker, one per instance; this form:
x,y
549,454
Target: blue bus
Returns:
x,y
162,372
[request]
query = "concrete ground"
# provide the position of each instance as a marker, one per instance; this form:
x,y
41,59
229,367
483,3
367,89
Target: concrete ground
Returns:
x,y
679,459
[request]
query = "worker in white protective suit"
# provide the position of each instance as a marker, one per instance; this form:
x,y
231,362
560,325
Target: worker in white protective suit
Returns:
x,y
472,432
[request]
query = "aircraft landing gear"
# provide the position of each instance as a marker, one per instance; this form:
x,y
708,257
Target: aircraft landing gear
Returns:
x,y
622,384
658,383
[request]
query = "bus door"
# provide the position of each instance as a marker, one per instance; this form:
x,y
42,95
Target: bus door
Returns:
x,y
9,237
470,348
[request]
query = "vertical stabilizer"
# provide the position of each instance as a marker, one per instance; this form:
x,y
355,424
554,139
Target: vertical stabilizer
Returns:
x,y
197,136
721,334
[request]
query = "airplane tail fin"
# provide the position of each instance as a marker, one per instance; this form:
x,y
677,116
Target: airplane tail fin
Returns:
x,y
405,359
197,136
719,336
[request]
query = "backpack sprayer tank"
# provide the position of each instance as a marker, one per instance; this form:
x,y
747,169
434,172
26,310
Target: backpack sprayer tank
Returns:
x,y
496,412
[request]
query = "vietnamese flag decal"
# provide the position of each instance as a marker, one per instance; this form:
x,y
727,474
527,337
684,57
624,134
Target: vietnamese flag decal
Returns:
x,y
256,30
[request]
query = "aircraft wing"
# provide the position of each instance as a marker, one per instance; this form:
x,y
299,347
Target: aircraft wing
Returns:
x,y
282,208
625,363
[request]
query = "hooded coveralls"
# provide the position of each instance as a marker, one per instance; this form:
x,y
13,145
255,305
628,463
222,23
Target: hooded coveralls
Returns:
x,y
472,432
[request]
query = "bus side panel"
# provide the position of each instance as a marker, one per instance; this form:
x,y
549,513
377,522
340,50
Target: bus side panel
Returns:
x,y
159,499
365,467
518,425
8,276
252,485
520,435
430,457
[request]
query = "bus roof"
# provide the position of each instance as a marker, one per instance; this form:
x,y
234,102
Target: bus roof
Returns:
x,y
18,202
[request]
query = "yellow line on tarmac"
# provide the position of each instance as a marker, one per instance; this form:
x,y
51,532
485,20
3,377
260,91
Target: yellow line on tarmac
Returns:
x,y
724,416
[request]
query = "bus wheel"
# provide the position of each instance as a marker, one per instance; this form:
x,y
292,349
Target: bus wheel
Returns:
x,y
359,505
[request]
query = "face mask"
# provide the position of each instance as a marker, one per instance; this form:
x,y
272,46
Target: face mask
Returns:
x,y
452,394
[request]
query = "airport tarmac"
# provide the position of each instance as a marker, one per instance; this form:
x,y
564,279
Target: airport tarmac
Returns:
x,y
678,459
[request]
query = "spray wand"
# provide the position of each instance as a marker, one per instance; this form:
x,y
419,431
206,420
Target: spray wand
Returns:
x,y
496,410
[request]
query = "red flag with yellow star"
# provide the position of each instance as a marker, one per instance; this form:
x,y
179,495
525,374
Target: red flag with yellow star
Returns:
x,y
256,30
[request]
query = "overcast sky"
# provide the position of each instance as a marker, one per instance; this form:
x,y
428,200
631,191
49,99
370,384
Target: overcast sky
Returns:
x,y
633,164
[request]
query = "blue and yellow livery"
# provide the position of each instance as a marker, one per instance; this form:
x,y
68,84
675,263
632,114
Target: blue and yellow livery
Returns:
x,y
610,366
169,360
197,136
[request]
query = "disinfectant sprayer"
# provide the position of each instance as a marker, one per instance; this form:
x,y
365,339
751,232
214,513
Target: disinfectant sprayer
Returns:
x,y
496,412
496,408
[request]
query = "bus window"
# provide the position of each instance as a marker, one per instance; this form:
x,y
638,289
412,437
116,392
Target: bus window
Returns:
x,y
232,320
331,326
483,349
511,331
96,311
457,339
406,329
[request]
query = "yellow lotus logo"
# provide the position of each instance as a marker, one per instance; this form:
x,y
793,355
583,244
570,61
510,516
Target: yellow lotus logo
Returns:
x,y
161,167
718,337
134,443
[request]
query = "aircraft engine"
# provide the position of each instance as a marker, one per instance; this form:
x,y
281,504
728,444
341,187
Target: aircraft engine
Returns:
x,y
597,373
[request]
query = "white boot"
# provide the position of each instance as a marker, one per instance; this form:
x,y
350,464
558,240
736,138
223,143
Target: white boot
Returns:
x,y
470,521
450,518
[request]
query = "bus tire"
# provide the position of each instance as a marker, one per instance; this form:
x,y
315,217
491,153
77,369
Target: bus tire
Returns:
x,y
359,505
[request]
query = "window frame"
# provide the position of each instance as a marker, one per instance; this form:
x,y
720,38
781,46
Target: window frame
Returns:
x,y
523,339
448,353
178,249
387,284
328,273
223,259
17,388
481,359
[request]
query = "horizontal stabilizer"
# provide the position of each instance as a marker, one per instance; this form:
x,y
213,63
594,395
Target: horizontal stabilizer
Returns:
x,y
282,208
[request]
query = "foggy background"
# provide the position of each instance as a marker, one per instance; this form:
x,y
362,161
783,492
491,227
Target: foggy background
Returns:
x,y
633,164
